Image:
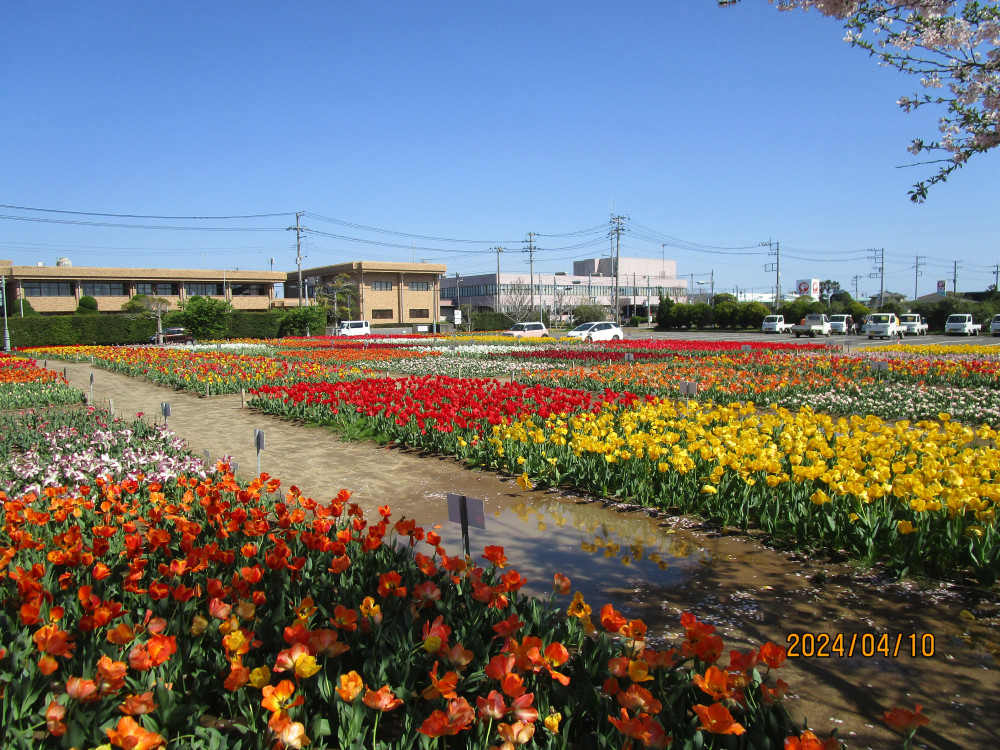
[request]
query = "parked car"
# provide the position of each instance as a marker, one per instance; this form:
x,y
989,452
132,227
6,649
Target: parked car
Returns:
x,y
173,336
532,330
354,328
841,324
775,324
597,332
995,325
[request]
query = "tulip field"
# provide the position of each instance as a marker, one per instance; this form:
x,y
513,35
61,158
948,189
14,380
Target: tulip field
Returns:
x,y
149,601
805,443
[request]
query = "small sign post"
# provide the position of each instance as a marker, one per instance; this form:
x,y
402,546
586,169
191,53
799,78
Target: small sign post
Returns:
x,y
746,348
878,366
467,511
165,411
91,402
688,388
258,441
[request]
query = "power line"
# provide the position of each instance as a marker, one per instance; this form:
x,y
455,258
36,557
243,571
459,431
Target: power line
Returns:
x,y
139,226
143,216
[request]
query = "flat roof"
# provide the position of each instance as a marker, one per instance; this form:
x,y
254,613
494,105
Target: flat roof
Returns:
x,y
138,274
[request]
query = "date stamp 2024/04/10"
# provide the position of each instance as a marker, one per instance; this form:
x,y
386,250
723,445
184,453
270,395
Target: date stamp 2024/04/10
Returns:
x,y
868,645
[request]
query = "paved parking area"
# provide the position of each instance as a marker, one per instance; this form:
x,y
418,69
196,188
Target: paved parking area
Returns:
x,y
848,342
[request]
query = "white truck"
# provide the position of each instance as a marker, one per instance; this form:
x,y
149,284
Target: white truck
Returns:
x,y
883,326
913,324
961,324
995,325
812,325
775,324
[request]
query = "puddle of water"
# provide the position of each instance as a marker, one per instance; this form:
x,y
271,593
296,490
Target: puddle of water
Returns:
x,y
598,549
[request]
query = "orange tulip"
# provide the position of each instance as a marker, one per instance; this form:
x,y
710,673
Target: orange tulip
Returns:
x,y
129,734
54,716
382,699
717,719
905,721
350,687
133,705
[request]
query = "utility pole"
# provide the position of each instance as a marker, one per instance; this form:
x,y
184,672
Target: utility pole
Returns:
x,y
298,251
855,282
916,275
617,227
663,260
458,292
531,268
496,305
3,301
774,248
879,255
954,278
691,289
996,280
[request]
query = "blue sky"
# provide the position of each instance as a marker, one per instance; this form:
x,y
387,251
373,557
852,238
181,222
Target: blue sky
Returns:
x,y
712,129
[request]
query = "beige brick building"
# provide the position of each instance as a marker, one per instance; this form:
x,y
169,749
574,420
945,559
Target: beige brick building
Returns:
x,y
403,293
57,289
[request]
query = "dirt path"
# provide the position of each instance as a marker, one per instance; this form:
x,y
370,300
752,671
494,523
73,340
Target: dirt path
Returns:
x,y
654,568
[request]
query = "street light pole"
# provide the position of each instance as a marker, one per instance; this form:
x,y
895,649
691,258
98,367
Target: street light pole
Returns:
x,y
3,300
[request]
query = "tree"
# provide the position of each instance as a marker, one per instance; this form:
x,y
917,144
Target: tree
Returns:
x,y
86,306
516,302
205,317
587,313
952,46
302,321
663,312
752,314
827,290
144,306
337,296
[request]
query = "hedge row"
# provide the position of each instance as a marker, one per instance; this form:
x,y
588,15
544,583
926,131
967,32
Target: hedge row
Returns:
x,y
110,330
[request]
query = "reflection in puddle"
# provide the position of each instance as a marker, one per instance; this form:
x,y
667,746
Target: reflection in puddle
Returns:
x,y
599,549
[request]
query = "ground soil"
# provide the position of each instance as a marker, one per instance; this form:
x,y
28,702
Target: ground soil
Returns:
x,y
650,567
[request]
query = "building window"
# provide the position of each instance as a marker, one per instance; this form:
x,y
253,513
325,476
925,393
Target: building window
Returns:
x,y
161,289
420,286
104,288
47,288
381,314
381,286
419,312
203,289
248,290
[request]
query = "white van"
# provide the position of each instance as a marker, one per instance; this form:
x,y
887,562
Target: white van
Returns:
x,y
354,328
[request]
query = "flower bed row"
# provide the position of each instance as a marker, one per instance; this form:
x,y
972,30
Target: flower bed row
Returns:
x,y
920,497
214,372
23,385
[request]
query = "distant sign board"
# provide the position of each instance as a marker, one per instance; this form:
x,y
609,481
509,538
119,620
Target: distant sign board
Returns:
x,y
942,287
807,288
458,317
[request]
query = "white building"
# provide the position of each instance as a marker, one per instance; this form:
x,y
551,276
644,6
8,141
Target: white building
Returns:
x,y
640,283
